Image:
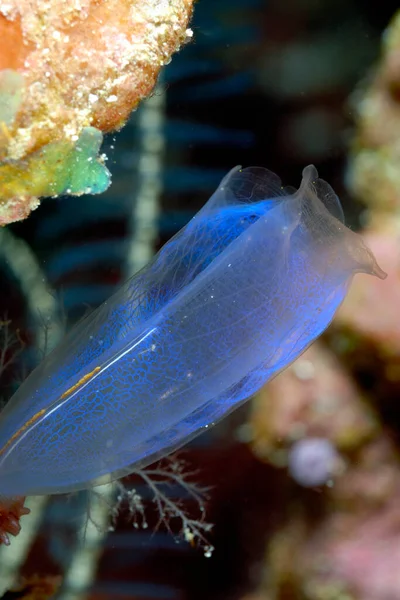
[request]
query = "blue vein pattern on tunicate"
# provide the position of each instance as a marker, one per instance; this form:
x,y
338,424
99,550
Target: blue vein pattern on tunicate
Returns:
x,y
190,251
230,301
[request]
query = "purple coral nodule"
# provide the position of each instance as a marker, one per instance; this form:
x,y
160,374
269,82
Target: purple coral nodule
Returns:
x,y
312,461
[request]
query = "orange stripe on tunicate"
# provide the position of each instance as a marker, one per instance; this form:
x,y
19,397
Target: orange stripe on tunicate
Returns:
x,y
37,416
22,429
84,379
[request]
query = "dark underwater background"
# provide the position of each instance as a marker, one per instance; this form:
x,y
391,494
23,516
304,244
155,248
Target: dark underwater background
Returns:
x,y
263,83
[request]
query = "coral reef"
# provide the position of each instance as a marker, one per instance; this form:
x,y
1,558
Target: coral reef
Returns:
x,y
11,510
349,528
373,174
67,75
330,419
34,588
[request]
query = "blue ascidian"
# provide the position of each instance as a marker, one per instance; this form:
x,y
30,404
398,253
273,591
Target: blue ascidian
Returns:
x,y
227,304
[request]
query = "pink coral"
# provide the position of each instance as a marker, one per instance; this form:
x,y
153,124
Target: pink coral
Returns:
x,y
11,510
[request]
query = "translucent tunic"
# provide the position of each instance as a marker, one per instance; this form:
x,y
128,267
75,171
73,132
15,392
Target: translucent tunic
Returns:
x,y
229,302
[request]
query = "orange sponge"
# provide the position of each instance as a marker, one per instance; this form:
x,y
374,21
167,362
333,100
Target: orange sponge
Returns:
x,y
68,72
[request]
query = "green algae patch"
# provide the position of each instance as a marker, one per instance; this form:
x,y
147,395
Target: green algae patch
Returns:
x,y
61,167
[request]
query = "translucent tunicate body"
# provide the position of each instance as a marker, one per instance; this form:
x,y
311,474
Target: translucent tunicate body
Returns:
x,y
229,302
